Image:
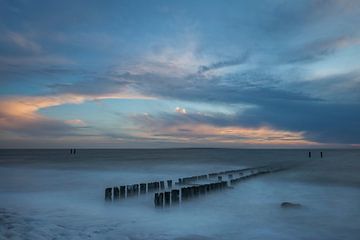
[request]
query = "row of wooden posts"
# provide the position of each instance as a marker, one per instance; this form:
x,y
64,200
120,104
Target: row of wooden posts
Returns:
x,y
188,180
125,191
173,197
189,186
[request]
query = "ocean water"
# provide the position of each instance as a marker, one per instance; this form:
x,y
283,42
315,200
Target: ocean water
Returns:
x,y
50,194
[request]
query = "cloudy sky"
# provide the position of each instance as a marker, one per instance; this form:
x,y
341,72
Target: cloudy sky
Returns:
x,y
180,73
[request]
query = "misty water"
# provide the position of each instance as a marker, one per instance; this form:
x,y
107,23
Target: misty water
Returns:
x,y
50,194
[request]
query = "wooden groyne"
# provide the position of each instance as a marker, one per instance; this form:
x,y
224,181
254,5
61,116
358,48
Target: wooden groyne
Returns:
x,y
187,188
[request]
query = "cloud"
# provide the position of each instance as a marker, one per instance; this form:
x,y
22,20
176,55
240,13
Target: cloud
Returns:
x,y
23,42
323,122
190,57
318,49
207,129
21,114
169,61
76,122
161,128
223,64
180,110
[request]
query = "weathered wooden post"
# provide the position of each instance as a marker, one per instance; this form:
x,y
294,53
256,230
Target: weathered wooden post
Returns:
x,y
108,194
309,154
321,154
202,189
161,198
129,191
219,178
184,194
191,192
158,199
157,186
162,185
175,196
196,191
167,198
142,188
169,184
122,192
116,193
136,189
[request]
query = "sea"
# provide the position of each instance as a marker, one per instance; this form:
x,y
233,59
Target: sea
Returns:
x,y
52,194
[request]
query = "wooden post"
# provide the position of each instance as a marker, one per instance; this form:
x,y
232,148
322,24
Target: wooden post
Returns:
x,y
135,188
108,194
142,188
157,186
175,196
128,191
309,154
158,199
191,192
122,191
167,198
184,194
169,184
162,185
207,187
161,199
116,193
196,191
202,189
219,178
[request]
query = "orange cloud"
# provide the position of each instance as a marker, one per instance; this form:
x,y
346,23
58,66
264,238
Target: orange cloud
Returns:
x,y
20,111
204,133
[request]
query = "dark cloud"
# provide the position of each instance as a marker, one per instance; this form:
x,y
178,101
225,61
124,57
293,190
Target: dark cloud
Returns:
x,y
317,49
226,63
41,127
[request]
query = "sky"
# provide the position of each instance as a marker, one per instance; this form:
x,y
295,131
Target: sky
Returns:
x,y
158,74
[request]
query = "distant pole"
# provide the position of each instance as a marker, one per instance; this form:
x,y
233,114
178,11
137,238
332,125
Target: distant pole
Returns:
x,y
321,154
309,154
